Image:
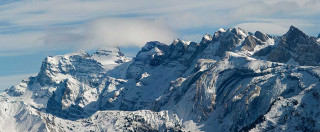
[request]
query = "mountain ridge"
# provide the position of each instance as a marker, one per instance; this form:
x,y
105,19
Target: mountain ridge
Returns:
x,y
233,80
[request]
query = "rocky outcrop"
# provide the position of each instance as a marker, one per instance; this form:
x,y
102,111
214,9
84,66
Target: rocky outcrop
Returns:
x,y
263,37
230,39
297,46
112,56
250,43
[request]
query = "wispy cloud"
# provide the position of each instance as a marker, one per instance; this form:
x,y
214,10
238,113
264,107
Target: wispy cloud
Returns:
x,y
20,41
36,25
110,32
95,34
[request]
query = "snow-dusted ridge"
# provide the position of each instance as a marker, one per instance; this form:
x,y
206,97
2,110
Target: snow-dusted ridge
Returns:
x,y
231,81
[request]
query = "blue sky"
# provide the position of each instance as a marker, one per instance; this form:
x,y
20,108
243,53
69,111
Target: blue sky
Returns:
x,y
30,30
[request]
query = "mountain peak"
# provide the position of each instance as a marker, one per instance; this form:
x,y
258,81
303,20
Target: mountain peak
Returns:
x,y
106,52
181,42
295,32
293,28
318,36
263,37
297,46
207,37
111,56
221,30
239,32
293,38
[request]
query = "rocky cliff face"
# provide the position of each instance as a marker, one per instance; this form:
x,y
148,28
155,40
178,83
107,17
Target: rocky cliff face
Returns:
x,y
297,46
231,81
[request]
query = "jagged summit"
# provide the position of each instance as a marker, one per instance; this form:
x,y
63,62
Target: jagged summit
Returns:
x,y
106,52
111,56
294,32
294,37
262,36
239,32
181,42
207,37
221,30
295,46
231,81
152,44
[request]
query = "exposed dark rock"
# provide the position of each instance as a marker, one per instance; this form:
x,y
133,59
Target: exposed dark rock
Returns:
x,y
250,43
265,51
296,44
263,37
153,54
206,39
280,54
229,41
293,38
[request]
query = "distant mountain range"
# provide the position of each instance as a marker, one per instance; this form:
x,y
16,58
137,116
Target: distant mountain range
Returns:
x,y
232,80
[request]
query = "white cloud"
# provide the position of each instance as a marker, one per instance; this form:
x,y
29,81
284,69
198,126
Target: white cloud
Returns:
x,y
95,34
20,41
110,32
127,32
44,13
59,23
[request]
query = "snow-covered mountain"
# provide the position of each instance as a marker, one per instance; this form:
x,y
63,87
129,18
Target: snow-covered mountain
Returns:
x,y
233,80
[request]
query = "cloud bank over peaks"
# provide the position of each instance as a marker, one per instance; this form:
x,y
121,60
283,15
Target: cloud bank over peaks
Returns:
x,y
43,25
110,32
